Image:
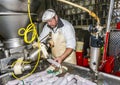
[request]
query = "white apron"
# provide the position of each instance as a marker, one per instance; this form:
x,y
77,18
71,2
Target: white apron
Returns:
x,y
60,47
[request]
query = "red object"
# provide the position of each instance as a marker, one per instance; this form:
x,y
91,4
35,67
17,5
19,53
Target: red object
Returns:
x,y
79,57
85,62
118,25
105,47
117,73
109,65
104,58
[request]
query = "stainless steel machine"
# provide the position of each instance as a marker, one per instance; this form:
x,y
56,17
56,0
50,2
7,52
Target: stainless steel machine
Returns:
x,y
14,15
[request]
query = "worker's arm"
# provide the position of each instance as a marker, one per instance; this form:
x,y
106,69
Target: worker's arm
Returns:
x,y
44,34
61,58
42,37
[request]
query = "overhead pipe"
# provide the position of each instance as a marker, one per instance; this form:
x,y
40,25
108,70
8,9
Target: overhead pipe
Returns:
x,y
83,8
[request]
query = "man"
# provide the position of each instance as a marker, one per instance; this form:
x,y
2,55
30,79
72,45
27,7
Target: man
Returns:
x,y
63,36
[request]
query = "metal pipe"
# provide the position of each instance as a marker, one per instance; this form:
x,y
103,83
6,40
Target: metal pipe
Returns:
x,y
12,43
109,76
108,79
94,58
110,15
26,67
107,33
4,75
14,13
34,54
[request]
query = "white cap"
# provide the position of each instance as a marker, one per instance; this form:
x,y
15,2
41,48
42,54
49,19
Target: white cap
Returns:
x,y
48,14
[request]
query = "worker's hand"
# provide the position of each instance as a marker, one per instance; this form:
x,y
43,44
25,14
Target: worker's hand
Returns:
x,y
35,44
59,60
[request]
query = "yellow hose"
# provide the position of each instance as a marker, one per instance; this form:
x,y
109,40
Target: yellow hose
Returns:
x,y
30,28
83,8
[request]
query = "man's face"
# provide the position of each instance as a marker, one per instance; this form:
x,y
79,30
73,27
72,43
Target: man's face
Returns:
x,y
52,22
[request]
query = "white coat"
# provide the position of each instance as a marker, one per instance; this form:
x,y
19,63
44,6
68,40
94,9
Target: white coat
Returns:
x,y
63,37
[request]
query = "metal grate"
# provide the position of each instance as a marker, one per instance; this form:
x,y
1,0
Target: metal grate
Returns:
x,y
114,43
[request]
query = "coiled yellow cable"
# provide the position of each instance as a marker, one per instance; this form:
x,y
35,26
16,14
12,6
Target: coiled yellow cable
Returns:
x,y
30,28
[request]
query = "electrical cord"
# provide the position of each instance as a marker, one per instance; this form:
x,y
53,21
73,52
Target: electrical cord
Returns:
x,y
30,28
